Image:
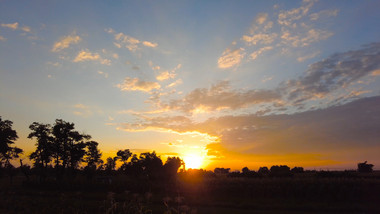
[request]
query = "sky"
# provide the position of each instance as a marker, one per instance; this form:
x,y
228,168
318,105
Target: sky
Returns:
x,y
218,83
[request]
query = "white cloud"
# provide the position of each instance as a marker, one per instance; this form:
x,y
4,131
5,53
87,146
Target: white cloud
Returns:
x,y
65,42
150,44
231,58
86,55
135,84
12,26
2,38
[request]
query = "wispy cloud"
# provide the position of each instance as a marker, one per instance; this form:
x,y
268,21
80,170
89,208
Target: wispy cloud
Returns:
x,y
306,57
260,38
323,14
261,18
65,42
305,39
165,75
86,55
175,83
26,29
104,74
2,38
255,54
129,42
296,30
85,110
150,44
220,96
231,58
336,75
12,26
335,72
288,17
135,84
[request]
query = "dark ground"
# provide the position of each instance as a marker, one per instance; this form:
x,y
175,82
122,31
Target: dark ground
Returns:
x,y
303,193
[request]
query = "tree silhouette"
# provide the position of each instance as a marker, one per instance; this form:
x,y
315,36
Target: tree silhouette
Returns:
x,y
123,156
263,170
134,166
364,167
68,144
297,169
110,164
222,170
245,170
92,155
150,163
7,138
44,151
281,170
172,165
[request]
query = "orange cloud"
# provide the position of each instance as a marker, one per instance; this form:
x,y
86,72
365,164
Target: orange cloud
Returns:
x,y
135,84
65,42
86,55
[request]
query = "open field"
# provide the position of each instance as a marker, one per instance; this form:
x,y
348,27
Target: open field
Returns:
x,y
303,193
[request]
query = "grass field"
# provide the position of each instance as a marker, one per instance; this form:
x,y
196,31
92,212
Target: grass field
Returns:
x,y
303,193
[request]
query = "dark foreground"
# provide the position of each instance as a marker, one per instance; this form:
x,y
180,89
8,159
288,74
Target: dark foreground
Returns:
x,y
302,193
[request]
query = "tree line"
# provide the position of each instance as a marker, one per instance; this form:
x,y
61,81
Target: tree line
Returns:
x,y
64,150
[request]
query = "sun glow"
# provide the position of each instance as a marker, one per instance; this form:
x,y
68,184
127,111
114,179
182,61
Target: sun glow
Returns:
x,y
193,161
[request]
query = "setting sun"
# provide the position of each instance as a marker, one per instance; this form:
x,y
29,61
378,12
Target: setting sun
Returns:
x,y
193,161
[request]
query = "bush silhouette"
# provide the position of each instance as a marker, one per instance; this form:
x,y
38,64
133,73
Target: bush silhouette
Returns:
x,y
364,167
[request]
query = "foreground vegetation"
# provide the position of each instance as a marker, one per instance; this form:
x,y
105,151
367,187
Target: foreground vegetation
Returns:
x,y
69,176
194,191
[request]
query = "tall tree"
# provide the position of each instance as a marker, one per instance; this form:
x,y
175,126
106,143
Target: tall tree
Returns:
x,y
7,138
68,144
93,154
44,151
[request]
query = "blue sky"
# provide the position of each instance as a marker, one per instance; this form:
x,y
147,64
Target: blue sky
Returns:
x,y
212,79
